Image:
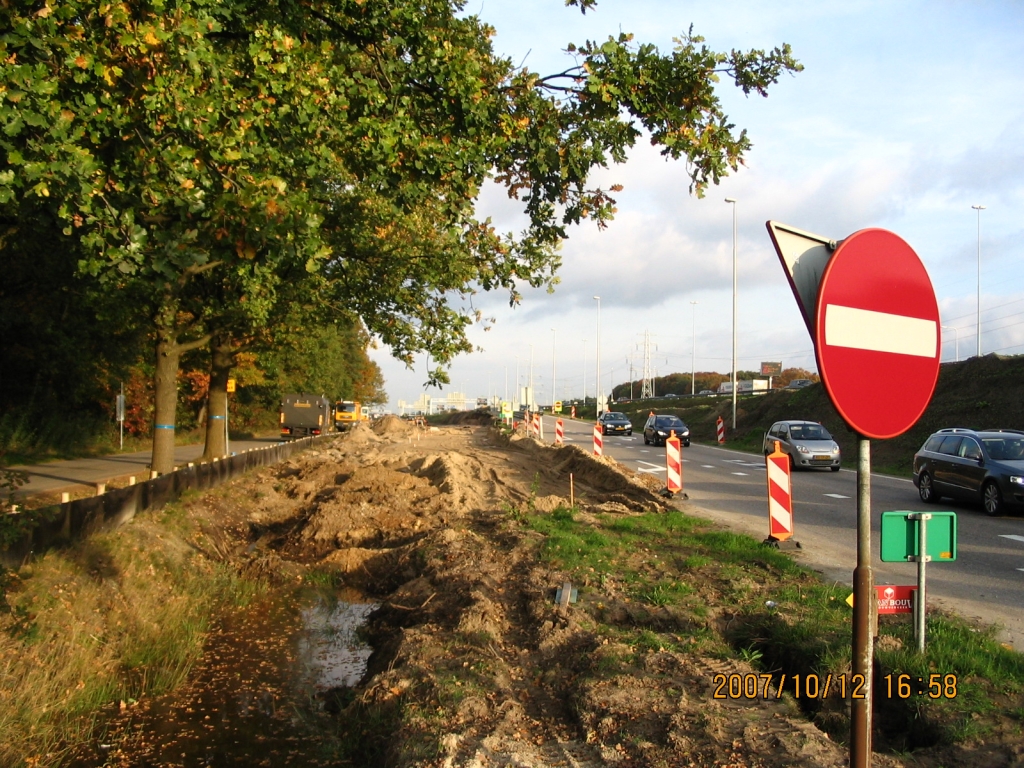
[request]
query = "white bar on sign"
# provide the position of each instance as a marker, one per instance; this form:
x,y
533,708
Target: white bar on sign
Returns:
x,y
879,331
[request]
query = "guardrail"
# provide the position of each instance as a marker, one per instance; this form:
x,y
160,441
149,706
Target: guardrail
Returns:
x,y
63,523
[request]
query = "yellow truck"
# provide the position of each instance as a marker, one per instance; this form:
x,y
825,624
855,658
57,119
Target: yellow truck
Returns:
x,y
346,414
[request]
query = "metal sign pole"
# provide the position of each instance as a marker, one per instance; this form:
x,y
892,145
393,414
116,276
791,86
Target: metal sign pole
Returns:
x,y
922,558
864,605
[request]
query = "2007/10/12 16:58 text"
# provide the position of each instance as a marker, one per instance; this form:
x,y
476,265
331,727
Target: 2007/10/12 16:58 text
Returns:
x,y
813,686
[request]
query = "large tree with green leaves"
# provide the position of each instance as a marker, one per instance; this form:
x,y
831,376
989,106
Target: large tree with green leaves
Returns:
x,y
182,138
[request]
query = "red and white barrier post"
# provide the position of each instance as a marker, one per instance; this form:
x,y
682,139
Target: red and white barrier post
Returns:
x,y
721,431
536,425
598,441
674,462
780,496
559,432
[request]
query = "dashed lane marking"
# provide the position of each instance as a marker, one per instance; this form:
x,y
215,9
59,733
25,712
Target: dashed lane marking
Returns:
x,y
708,466
653,467
741,474
1013,536
837,496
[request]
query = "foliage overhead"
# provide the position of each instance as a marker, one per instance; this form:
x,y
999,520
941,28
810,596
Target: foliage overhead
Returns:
x,y
347,138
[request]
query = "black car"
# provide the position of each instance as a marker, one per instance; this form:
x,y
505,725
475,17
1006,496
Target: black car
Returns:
x,y
614,423
973,465
660,427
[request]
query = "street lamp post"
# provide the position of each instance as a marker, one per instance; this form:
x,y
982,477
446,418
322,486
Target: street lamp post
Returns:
x,y
554,395
518,390
979,209
584,372
597,398
956,336
693,349
532,399
732,201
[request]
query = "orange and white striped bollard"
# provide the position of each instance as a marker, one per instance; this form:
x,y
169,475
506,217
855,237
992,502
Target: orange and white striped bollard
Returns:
x,y
598,441
559,432
674,463
721,431
780,496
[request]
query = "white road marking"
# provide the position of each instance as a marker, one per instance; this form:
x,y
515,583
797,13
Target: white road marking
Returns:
x,y
837,496
644,450
856,328
1013,536
708,466
741,474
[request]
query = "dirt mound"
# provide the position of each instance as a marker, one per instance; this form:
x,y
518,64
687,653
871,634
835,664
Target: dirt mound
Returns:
x,y
481,417
391,425
362,433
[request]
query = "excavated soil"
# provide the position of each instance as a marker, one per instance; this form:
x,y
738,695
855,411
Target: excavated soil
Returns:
x,y
473,664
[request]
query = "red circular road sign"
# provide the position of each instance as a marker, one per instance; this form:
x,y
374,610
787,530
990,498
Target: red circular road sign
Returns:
x,y
877,333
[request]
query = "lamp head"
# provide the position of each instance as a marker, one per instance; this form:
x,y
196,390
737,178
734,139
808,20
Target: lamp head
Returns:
x,y
730,199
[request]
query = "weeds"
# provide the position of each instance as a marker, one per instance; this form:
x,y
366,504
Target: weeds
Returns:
x,y
115,617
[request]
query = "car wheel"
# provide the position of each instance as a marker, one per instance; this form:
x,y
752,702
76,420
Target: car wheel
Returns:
x,y
646,441
992,499
834,469
926,489
630,433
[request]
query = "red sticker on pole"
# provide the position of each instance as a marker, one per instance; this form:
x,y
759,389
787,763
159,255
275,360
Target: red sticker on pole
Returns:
x,y
877,333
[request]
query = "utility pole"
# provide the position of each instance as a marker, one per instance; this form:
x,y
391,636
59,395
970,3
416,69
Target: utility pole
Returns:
x,y
647,387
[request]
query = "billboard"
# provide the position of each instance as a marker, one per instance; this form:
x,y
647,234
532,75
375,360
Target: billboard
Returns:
x,y
771,369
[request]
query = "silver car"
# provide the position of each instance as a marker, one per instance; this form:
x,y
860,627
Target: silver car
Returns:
x,y
808,444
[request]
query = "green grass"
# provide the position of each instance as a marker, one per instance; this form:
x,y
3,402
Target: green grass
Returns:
x,y
782,618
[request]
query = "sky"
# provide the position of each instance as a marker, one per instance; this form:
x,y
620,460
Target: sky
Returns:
x,y
905,116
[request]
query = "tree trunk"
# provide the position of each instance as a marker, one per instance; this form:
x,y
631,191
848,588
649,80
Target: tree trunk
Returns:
x,y
221,362
168,355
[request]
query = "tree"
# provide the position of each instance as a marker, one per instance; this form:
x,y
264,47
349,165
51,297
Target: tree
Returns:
x,y
183,138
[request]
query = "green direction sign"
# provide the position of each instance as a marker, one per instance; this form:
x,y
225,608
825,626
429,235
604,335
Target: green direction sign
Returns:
x,y
900,540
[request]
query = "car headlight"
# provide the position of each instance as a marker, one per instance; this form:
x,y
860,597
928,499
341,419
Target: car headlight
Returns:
x,y
662,433
1017,479
835,447
803,449
685,433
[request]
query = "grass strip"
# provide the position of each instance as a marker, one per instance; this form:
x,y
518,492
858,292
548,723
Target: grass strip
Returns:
x,y
741,599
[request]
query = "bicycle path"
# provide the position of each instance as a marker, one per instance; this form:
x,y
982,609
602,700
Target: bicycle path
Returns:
x,y
68,474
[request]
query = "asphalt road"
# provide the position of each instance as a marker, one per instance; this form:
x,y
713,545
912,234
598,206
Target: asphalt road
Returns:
x,y
986,581
66,475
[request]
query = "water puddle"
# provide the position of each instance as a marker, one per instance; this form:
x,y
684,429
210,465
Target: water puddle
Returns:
x,y
253,700
328,646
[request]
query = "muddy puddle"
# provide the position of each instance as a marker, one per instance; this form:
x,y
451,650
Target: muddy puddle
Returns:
x,y
255,698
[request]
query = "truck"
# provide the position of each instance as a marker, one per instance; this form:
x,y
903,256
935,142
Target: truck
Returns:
x,y
346,414
305,415
744,387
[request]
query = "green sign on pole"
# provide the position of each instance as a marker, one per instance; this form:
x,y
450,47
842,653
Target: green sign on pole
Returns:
x,y
900,539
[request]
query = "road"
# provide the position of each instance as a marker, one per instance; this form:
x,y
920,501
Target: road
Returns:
x,y
986,581
66,475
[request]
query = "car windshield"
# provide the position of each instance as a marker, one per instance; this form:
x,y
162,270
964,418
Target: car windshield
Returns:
x,y
669,422
615,417
809,432
1005,448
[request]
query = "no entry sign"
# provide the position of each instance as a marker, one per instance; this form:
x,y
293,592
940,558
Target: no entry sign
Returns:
x,y
877,333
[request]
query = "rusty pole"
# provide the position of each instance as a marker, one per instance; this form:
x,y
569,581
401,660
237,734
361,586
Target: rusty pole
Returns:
x,y
864,605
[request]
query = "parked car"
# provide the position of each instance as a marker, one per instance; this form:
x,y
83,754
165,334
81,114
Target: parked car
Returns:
x,y
974,465
706,393
807,442
798,384
614,423
659,428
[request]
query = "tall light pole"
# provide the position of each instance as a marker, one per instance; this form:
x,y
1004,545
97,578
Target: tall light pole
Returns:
x,y
956,335
732,201
597,398
518,390
693,349
979,209
554,395
584,371
532,399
